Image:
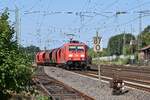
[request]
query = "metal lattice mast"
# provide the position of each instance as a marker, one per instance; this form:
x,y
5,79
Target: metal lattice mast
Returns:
x,y
17,26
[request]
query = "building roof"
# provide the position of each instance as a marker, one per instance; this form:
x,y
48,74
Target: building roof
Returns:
x,y
145,48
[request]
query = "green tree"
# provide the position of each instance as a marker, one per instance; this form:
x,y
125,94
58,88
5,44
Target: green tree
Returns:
x,y
15,67
91,52
145,36
119,44
99,54
30,51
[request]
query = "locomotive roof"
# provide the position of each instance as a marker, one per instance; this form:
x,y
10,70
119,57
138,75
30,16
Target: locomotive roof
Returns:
x,y
145,48
80,43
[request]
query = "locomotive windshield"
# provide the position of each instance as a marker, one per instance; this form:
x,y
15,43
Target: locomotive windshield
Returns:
x,y
80,48
76,48
72,48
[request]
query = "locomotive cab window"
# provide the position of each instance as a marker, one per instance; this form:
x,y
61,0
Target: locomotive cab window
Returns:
x,y
76,48
80,48
72,48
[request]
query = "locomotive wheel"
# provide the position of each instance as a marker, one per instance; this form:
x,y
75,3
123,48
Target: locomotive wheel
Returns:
x,y
73,68
67,67
88,68
83,68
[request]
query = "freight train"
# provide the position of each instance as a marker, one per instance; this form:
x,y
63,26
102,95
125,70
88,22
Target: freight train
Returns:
x,y
71,55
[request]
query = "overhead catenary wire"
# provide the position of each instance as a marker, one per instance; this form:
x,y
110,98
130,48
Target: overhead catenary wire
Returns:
x,y
126,23
34,5
140,5
87,15
110,5
123,12
126,11
101,13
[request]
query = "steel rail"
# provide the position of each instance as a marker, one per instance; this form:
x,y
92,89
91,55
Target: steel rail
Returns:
x,y
72,93
129,82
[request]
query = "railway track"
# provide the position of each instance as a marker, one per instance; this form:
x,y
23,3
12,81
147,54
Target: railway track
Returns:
x,y
138,78
56,89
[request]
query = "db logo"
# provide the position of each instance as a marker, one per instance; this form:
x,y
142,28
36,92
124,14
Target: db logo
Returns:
x,y
76,55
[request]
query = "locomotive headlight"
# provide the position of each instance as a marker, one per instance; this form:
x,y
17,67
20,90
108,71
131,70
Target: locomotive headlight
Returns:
x,y
82,55
82,58
70,55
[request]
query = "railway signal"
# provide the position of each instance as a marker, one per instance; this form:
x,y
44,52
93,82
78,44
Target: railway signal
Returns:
x,y
133,42
96,42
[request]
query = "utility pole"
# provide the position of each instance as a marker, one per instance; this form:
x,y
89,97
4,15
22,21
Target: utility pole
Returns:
x,y
140,30
17,27
140,22
124,42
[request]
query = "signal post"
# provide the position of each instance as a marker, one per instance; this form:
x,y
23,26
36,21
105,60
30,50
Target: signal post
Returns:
x,y
97,48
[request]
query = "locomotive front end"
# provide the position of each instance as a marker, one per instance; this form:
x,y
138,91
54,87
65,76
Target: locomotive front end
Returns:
x,y
76,56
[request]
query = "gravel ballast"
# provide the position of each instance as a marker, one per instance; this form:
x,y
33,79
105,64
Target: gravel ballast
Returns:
x,y
90,86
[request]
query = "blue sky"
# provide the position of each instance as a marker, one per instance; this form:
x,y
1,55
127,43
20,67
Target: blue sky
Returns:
x,y
46,22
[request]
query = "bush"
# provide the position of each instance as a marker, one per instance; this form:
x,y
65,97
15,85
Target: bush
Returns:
x,y
15,68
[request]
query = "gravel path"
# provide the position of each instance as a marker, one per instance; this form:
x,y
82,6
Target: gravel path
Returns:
x,y
90,86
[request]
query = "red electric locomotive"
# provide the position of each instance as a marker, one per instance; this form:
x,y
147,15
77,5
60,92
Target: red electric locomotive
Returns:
x,y
71,55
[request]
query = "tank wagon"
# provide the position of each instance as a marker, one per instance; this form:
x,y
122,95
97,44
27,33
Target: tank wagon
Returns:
x,y
71,55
